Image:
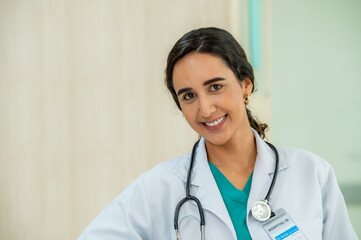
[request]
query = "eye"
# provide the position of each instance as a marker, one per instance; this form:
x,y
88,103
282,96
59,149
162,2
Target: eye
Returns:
x,y
215,87
188,96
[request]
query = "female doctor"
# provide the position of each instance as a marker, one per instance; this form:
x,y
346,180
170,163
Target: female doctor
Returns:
x,y
233,185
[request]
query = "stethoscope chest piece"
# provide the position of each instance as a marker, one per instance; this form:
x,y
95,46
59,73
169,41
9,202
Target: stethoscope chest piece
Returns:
x,y
261,210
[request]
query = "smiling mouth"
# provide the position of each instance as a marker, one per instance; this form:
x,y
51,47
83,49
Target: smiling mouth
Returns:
x,y
215,122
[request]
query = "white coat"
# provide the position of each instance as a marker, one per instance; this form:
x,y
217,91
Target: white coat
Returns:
x,y
306,188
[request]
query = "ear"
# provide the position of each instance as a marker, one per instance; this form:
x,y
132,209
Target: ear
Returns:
x,y
247,86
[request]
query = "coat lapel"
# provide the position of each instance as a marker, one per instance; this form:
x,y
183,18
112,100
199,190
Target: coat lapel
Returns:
x,y
264,166
263,172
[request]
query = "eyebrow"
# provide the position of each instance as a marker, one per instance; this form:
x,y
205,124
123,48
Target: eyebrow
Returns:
x,y
208,82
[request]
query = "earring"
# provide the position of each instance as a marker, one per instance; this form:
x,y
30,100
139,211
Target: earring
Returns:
x,y
246,100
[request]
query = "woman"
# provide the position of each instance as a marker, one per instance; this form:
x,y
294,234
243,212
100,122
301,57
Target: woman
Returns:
x,y
211,80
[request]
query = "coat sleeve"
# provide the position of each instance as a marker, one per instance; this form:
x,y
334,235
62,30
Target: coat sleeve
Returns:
x,y
126,217
336,223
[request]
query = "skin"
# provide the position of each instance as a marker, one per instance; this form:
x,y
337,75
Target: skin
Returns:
x,y
209,91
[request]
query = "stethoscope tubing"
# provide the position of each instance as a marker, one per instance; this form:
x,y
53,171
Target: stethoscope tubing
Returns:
x,y
270,190
189,197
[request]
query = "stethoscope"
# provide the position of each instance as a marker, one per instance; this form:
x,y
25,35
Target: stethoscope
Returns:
x,y
261,209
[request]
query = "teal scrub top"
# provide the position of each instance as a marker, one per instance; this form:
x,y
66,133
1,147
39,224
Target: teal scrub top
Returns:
x,y
235,201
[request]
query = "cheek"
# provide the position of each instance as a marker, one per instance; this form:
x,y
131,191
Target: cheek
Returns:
x,y
188,113
191,116
235,99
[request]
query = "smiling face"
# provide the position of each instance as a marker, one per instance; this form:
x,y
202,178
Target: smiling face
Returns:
x,y
211,98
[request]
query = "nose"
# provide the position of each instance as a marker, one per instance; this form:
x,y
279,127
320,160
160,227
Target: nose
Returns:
x,y
206,107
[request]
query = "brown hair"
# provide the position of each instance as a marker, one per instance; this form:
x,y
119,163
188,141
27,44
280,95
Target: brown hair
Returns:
x,y
220,43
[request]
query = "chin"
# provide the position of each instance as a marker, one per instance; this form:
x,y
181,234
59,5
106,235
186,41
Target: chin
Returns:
x,y
216,141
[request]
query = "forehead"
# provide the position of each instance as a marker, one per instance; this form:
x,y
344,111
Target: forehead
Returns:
x,y
199,67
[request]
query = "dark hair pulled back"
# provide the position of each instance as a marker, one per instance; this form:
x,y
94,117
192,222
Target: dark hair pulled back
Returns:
x,y
218,42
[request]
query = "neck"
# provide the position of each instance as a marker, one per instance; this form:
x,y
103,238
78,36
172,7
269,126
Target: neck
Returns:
x,y
237,155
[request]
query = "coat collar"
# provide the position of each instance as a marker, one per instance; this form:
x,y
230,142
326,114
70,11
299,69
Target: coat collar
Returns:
x,y
265,161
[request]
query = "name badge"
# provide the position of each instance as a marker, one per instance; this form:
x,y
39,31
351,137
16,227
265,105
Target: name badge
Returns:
x,y
282,227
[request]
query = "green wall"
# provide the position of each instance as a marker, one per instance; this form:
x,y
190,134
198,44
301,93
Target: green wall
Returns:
x,y
316,51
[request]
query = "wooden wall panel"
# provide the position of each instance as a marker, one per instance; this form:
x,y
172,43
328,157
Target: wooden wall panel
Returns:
x,y
83,107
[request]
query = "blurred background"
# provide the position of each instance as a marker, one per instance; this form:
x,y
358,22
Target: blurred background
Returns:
x,y
84,110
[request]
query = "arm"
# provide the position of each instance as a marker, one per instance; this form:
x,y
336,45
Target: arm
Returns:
x,y
336,224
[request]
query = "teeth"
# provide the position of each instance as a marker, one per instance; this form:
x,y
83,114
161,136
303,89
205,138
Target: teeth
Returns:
x,y
212,124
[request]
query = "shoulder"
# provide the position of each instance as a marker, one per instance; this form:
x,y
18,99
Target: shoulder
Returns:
x,y
149,189
305,162
161,179
301,157
167,169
